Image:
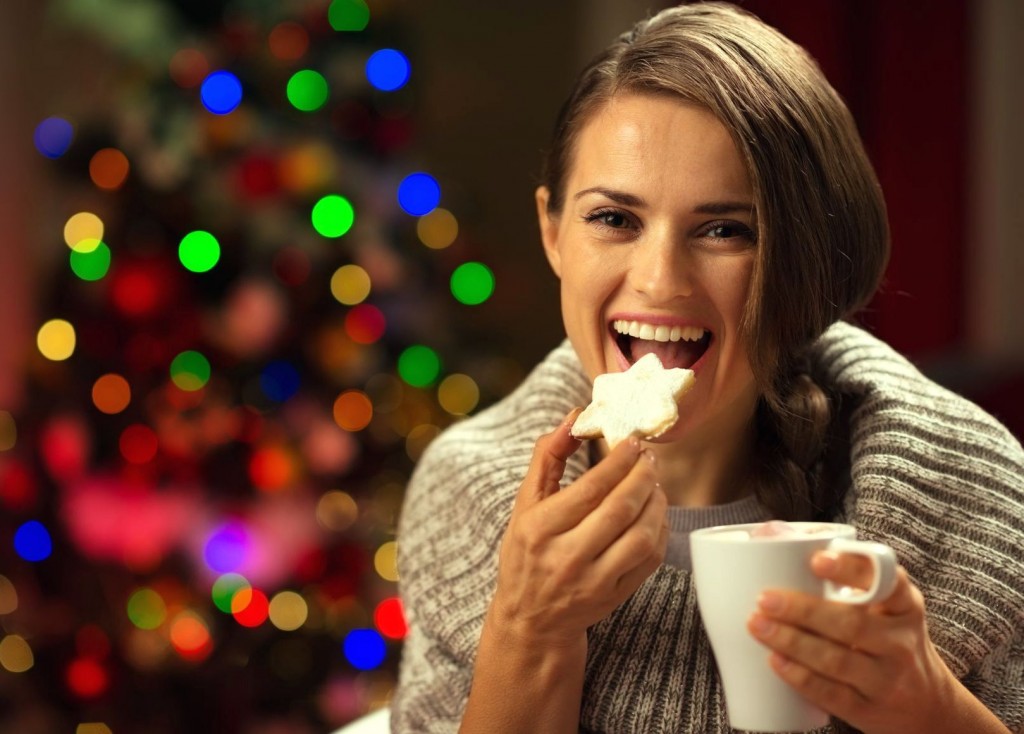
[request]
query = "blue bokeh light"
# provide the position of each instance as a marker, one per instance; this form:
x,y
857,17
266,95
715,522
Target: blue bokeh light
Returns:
x,y
221,92
279,381
32,541
53,137
227,548
365,649
419,194
387,69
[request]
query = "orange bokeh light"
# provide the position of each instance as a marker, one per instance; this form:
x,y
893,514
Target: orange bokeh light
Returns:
x,y
272,468
111,394
353,410
190,637
108,168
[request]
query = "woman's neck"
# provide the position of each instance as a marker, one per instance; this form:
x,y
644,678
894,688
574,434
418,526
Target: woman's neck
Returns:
x,y
710,468
706,472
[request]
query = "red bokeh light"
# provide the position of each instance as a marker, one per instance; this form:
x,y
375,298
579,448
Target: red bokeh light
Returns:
x,y
365,324
86,678
141,288
251,614
138,444
18,488
390,618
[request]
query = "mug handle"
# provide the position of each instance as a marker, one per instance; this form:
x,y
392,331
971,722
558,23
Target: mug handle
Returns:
x,y
883,564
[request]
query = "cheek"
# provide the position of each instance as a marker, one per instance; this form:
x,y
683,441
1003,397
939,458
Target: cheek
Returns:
x,y
730,285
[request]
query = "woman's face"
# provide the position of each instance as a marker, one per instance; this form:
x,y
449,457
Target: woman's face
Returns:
x,y
654,249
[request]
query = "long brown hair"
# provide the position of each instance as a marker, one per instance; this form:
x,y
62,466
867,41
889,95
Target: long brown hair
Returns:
x,y
823,236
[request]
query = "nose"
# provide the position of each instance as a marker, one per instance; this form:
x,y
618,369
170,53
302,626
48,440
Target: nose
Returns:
x,y
660,268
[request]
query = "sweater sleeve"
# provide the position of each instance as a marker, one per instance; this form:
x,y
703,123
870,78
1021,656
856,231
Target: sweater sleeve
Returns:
x,y
456,509
942,482
437,659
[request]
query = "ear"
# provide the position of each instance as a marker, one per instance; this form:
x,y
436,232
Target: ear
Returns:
x,y
548,230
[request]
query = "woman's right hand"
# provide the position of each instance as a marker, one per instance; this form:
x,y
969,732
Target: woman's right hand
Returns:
x,y
570,557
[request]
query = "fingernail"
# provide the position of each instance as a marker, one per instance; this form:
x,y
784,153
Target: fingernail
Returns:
x,y
634,443
826,562
770,601
762,626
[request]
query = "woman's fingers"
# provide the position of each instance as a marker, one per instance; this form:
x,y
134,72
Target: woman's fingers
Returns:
x,y
548,462
619,510
566,509
844,569
640,548
824,657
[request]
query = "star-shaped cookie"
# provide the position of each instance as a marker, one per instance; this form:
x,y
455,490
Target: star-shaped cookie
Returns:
x,y
640,401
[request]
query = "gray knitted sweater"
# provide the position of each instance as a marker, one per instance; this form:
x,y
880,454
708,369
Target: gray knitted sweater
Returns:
x,y
931,474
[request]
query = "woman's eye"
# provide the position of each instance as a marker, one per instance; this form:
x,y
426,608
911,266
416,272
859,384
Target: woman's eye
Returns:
x,y
609,218
728,231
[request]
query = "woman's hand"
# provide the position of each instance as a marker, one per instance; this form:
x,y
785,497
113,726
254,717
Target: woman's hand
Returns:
x,y
570,557
567,560
873,666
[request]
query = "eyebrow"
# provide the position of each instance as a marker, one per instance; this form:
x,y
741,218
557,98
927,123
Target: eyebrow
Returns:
x,y
711,207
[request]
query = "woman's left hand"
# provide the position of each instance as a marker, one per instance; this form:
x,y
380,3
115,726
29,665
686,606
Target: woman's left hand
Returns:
x,y
873,666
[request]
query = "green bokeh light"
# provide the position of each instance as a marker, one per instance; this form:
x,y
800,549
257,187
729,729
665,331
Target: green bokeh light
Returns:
x,y
419,365
146,609
199,251
307,90
90,262
472,283
333,216
348,15
190,371
225,588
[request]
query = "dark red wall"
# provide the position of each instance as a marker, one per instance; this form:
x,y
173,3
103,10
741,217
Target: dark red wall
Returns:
x,y
903,69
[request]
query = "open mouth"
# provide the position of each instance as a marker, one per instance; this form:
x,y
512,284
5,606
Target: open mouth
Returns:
x,y
675,346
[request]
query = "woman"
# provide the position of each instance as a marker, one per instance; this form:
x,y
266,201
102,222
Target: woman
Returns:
x,y
707,198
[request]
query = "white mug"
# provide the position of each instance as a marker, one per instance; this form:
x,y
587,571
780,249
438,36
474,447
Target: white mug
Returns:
x,y
731,570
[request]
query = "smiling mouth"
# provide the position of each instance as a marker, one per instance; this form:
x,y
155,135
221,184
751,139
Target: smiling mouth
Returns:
x,y
675,346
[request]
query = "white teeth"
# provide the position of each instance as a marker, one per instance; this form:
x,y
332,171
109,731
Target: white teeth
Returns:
x,y
651,332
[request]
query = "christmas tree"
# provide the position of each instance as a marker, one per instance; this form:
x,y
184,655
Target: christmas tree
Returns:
x,y
253,333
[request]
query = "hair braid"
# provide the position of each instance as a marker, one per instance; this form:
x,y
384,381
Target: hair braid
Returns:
x,y
793,431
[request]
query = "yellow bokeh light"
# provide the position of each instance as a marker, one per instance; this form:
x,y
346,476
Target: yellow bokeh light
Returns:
x,y
56,340
8,431
8,596
83,226
458,394
438,229
288,611
15,654
350,284
337,511
86,245
385,561
93,727
308,168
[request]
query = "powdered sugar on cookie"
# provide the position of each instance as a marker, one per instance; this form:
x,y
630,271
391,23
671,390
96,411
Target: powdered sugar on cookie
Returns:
x,y
638,402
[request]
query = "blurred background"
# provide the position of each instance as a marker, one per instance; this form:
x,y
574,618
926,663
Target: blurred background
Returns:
x,y
254,255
